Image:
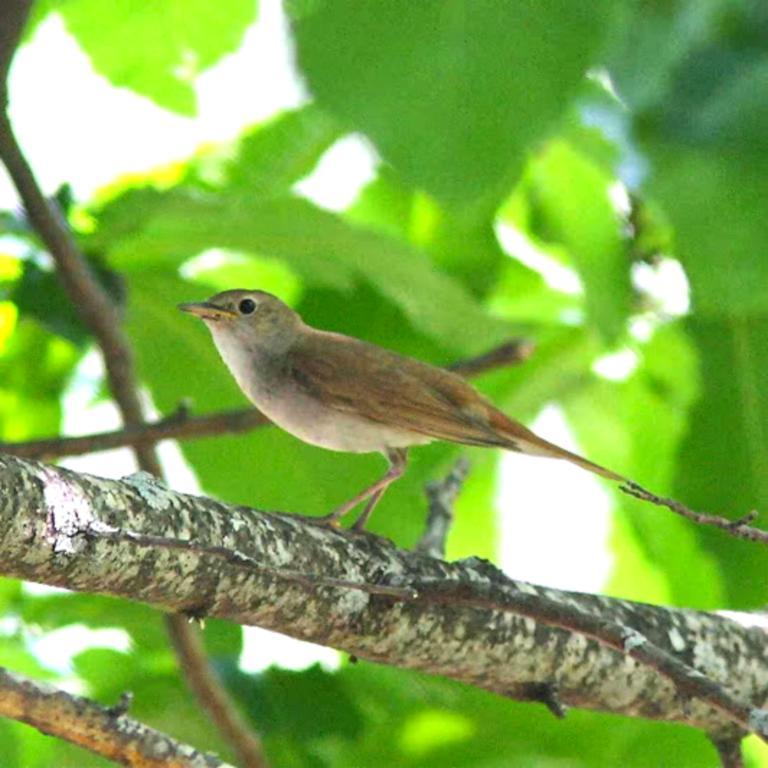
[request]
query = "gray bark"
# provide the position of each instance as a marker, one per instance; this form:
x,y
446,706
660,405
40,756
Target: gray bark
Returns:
x,y
53,520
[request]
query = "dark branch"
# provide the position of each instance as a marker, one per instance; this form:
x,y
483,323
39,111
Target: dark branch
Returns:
x,y
178,426
496,597
729,752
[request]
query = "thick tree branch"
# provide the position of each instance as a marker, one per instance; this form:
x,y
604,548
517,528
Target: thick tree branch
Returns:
x,y
358,593
107,731
100,314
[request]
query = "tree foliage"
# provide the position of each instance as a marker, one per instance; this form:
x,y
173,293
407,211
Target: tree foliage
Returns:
x,y
617,140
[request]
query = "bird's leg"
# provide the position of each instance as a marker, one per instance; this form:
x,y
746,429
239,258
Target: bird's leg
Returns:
x,y
397,462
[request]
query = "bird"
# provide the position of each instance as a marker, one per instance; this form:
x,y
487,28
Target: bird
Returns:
x,y
345,394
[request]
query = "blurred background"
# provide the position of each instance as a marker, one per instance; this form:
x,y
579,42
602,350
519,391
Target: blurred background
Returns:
x,y
437,177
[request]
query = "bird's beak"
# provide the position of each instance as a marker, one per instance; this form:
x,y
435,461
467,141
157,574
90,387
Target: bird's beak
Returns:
x,y
207,311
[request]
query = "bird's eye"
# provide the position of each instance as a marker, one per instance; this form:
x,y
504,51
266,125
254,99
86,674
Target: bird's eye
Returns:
x,y
246,306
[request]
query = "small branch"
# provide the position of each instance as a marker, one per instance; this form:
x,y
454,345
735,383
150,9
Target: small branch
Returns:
x,y
441,495
548,695
729,752
739,528
181,425
13,18
178,426
191,654
103,730
512,352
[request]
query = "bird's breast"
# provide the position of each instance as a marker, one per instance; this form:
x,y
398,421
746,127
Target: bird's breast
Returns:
x,y
278,396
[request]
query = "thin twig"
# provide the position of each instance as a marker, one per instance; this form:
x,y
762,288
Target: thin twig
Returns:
x,y
511,352
740,528
442,495
484,595
178,426
181,425
106,731
100,314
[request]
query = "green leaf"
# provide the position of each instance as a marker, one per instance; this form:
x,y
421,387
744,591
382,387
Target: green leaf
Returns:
x,y
157,49
454,94
719,208
571,206
34,369
702,125
635,427
274,156
723,465
321,247
375,716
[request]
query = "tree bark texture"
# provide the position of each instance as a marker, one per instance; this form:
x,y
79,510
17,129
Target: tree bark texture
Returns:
x,y
59,528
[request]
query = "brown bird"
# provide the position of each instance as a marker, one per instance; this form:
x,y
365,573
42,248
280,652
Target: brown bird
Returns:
x,y
345,394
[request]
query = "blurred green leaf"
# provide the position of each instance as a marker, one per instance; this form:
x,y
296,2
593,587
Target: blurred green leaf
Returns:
x,y
719,208
453,94
157,49
321,247
34,369
723,466
571,206
374,716
613,422
272,157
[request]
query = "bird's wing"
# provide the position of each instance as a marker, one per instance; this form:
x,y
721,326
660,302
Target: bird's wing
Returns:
x,y
388,388
352,376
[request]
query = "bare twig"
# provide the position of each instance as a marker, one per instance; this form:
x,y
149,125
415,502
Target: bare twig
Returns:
x,y
181,425
511,353
740,528
100,314
102,730
442,495
729,752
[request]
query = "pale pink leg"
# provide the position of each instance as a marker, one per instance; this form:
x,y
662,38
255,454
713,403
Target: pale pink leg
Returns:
x,y
398,461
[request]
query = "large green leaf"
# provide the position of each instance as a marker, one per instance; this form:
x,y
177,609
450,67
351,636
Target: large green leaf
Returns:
x,y
724,460
702,125
321,247
375,716
452,94
635,427
157,49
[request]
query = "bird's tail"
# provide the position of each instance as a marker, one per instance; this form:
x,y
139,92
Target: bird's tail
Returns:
x,y
522,440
